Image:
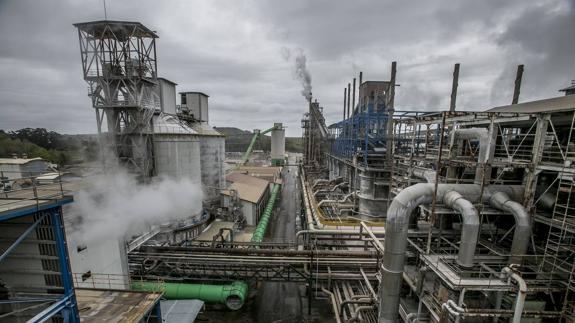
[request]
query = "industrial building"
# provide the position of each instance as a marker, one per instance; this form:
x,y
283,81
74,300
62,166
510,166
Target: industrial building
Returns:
x,y
389,215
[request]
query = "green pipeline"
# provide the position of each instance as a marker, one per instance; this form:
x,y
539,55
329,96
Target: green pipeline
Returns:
x,y
232,295
263,224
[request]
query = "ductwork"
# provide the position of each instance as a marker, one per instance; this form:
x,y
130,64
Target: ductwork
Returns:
x,y
469,229
396,227
426,174
522,234
486,147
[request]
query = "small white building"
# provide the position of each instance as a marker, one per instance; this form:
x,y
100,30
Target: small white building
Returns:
x,y
253,193
15,168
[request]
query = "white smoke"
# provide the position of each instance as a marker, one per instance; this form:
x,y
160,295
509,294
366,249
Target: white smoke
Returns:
x,y
301,72
115,205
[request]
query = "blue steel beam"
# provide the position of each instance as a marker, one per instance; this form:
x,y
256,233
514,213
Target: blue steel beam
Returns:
x,y
66,272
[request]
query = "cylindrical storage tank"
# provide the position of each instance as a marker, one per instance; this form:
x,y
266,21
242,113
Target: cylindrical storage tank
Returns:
x,y
278,145
213,152
176,149
372,201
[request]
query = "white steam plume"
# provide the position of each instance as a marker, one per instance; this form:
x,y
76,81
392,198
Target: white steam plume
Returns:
x,y
115,206
301,72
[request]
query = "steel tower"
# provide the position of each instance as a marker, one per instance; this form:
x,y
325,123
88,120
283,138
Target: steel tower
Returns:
x,y
120,67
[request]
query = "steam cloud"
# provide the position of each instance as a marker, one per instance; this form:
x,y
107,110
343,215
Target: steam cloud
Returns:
x,y
301,72
116,206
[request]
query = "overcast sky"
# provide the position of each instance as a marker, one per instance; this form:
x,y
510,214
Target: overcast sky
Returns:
x,y
235,51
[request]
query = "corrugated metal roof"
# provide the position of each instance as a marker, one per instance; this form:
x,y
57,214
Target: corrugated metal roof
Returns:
x,y
245,192
204,129
169,124
249,188
238,177
18,161
181,311
547,105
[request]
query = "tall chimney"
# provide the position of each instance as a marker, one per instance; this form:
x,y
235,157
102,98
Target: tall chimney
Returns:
x,y
359,89
518,78
454,87
348,97
353,98
344,100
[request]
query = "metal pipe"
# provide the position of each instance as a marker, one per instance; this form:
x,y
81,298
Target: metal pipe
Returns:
x,y
368,283
397,224
426,174
357,312
262,226
333,304
353,301
522,233
521,293
332,190
233,295
469,229
452,308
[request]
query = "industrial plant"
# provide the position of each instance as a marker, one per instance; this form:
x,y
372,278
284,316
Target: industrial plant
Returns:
x,y
386,216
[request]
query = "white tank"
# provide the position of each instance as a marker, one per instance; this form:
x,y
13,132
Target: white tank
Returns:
x,y
176,149
278,145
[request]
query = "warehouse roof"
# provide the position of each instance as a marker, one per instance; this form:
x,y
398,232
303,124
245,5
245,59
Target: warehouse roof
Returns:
x,y
547,105
249,188
18,161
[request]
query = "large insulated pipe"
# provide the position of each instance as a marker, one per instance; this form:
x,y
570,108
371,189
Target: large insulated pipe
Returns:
x,y
426,174
521,293
522,234
232,295
396,228
469,229
263,224
481,134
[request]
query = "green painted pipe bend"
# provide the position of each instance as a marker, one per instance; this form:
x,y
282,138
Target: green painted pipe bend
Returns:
x,y
263,224
232,295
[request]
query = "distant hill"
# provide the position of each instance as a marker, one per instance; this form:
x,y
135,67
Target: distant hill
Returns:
x,y
238,140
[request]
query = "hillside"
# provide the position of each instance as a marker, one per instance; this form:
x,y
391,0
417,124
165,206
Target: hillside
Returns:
x,y
239,140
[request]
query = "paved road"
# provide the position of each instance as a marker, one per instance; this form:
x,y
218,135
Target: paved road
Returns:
x,y
281,302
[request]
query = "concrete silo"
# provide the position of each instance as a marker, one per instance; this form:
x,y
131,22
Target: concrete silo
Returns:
x,y
278,145
176,149
212,157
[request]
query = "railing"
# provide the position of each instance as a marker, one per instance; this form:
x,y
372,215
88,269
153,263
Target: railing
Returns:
x,y
16,190
107,281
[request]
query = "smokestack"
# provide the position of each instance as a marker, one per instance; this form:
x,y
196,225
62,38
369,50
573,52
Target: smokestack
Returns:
x,y
391,101
454,87
353,100
517,89
344,100
348,97
359,89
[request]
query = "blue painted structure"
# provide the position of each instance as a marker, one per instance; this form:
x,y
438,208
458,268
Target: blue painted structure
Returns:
x,y
47,214
360,133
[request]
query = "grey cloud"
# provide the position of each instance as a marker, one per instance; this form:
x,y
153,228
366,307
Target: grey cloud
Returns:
x,y
233,50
